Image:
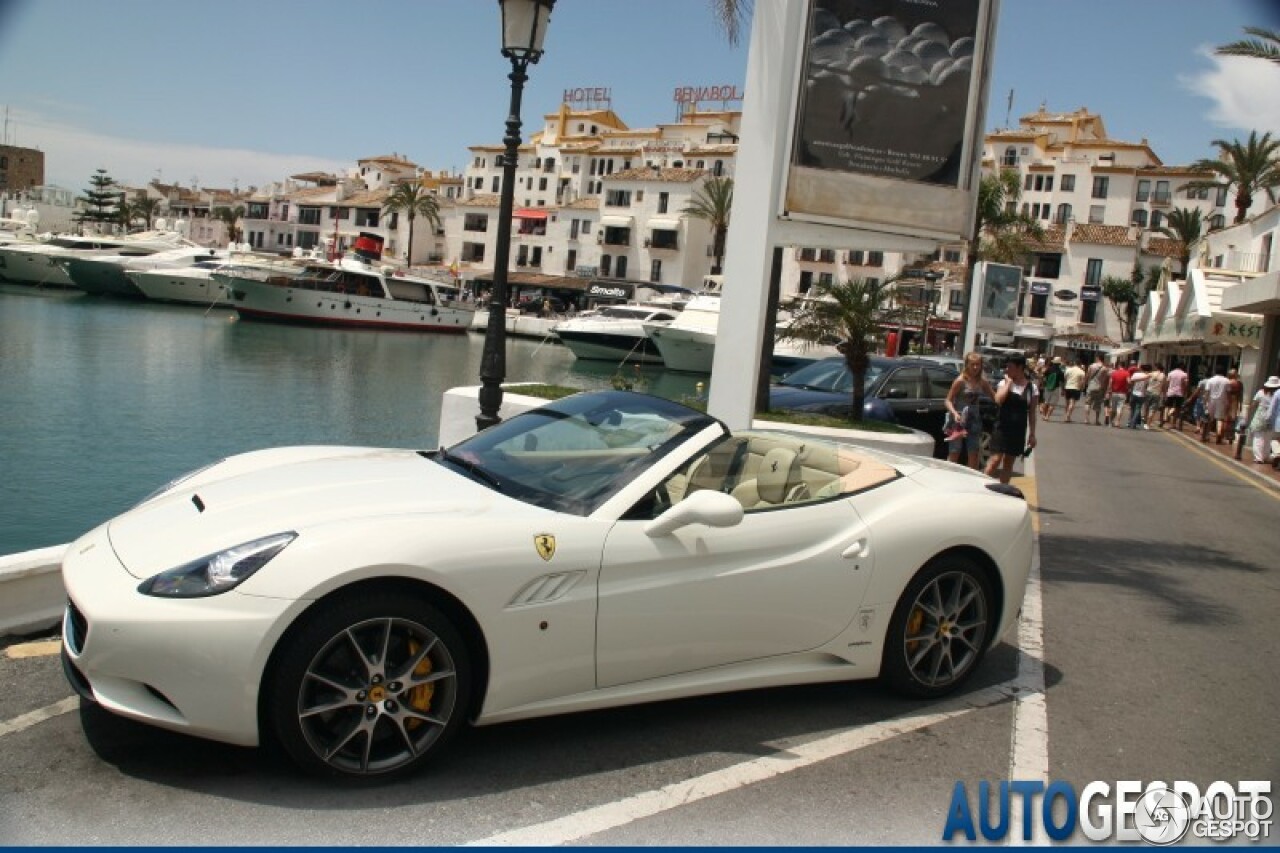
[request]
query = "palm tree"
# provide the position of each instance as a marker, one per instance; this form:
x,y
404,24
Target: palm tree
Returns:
x,y
713,202
850,311
145,208
1249,168
1265,45
412,199
1185,226
732,16
231,216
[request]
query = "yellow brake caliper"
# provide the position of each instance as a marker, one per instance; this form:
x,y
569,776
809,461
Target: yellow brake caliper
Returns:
x,y
914,621
420,696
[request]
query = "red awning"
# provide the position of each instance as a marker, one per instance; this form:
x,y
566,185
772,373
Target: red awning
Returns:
x,y
529,213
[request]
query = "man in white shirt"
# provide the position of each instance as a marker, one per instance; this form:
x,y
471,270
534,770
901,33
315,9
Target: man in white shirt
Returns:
x,y
1215,405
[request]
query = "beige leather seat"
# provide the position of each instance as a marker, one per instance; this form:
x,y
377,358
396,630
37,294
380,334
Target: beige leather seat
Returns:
x,y
778,480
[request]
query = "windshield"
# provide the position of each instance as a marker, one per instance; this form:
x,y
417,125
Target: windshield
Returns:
x,y
830,374
572,455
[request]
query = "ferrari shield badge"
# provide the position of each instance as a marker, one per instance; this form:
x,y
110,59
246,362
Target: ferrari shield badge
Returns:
x,y
545,543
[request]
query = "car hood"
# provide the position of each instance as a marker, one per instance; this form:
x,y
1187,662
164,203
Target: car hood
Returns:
x,y
248,497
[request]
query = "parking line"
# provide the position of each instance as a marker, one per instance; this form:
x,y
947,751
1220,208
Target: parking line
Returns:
x,y
1029,750
592,821
26,721
35,649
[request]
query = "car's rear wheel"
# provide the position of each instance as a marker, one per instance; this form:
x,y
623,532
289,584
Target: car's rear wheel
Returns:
x,y
940,628
370,685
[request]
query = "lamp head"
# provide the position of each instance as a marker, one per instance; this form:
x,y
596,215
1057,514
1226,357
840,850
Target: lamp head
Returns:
x,y
524,26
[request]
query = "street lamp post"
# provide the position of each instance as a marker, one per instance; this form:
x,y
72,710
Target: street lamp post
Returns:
x,y
931,278
524,26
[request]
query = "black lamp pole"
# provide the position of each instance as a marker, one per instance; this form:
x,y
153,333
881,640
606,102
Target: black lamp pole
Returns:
x,y
493,362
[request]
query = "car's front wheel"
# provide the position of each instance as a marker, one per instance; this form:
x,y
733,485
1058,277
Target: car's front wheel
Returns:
x,y
940,628
370,685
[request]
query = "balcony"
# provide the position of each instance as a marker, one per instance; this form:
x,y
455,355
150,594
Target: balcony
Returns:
x,y
1248,263
1163,198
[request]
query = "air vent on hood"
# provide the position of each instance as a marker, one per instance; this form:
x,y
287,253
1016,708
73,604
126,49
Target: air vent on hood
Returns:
x,y
546,588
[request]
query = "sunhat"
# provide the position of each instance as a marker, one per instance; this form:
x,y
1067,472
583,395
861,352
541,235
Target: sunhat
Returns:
x,y
1272,382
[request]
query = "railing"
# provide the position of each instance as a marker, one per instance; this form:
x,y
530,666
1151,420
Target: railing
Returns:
x,y
1246,262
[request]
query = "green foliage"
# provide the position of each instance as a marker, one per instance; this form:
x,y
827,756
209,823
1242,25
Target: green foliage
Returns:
x,y
1251,167
849,311
413,200
713,203
231,216
1265,45
103,200
1125,297
1185,226
144,208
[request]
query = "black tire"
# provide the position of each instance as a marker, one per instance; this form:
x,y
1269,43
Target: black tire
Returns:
x,y
369,686
940,630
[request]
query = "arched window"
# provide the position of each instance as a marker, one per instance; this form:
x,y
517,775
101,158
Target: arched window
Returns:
x,y
1010,156
1139,218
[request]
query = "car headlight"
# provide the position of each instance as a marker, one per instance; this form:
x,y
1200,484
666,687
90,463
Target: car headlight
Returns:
x,y
218,572
177,481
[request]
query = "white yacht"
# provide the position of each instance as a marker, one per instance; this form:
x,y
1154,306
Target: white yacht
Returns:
x,y
615,333
688,343
192,284
106,273
36,263
351,292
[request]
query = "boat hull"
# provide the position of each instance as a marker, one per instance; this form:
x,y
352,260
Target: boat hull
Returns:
x,y
281,303
688,350
101,278
596,346
32,267
162,286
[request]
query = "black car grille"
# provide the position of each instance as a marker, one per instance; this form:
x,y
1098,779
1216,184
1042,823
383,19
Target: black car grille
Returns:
x,y
77,627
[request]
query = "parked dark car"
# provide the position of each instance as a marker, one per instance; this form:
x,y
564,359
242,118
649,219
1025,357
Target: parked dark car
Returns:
x,y
910,392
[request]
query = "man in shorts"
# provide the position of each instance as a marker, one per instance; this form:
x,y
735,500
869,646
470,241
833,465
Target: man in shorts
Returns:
x,y
1175,395
1096,387
1073,387
1119,393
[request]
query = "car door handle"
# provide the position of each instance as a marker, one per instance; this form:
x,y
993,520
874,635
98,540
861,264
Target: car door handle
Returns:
x,y
856,551
923,411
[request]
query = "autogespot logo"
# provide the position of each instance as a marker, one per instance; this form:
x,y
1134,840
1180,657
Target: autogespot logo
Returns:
x,y
1156,813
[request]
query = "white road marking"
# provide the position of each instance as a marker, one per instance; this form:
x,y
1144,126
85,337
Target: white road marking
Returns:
x,y
26,721
613,815
1029,750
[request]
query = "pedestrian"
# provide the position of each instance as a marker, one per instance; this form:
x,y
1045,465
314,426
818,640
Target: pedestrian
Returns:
x,y
1015,430
1215,405
1137,397
963,429
1052,385
1095,390
1119,392
1175,390
1073,382
1261,422
1154,412
1235,401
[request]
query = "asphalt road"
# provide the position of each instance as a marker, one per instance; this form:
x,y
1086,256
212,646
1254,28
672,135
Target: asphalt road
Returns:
x,y
1159,577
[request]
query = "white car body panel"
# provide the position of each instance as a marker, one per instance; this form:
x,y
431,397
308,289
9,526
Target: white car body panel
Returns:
x,y
614,615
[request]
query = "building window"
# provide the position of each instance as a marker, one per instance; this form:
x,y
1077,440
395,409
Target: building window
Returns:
x,y
573,229
1162,195
655,270
827,256
1010,157
571,262
951,256
1039,305
1093,272
1221,199
542,183
606,263
1089,311
806,281
1096,213
1068,183
875,259
956,301
1139,218
1157,220
1048,266
1027,184
621,269
1217,221
1064,214
718,168
856,257
663,200
1144,190
825,279
494,186
1100,184
1048,183
617,198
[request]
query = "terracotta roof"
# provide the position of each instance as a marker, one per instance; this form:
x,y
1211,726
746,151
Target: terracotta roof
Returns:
x,y
1165,247
669,176
488,200
1054,240
728,148
1175,171
1014,134
583,204
316,177
315,195
394,159
1103,235
369,198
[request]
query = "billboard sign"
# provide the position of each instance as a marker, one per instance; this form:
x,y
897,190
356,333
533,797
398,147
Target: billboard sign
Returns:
x,y
998,298
889,115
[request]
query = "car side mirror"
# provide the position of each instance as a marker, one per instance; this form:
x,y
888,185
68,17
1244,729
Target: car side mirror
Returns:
x,y
714,509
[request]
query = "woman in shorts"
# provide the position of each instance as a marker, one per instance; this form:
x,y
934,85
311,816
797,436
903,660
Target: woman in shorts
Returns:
x,y
963,428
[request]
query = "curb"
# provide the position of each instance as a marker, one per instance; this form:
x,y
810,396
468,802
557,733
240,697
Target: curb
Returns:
x,y
1237,464
33,596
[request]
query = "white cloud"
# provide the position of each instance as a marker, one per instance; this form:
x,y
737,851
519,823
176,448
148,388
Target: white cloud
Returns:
x,y
72,154
1245,92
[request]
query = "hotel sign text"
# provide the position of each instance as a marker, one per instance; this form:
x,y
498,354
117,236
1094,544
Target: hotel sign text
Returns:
x,y
590,94
695,94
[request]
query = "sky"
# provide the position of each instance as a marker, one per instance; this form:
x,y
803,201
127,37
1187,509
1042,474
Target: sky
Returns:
x,y
237,93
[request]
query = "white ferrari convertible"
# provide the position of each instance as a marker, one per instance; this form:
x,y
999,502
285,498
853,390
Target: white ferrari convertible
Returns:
x,y
359,605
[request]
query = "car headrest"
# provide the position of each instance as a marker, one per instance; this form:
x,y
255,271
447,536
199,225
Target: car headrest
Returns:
x,y
779,471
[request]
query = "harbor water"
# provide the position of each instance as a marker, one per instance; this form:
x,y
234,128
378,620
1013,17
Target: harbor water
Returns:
x,y
102,401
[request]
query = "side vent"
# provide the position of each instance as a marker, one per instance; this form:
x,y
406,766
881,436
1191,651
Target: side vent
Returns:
x,y
546,588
